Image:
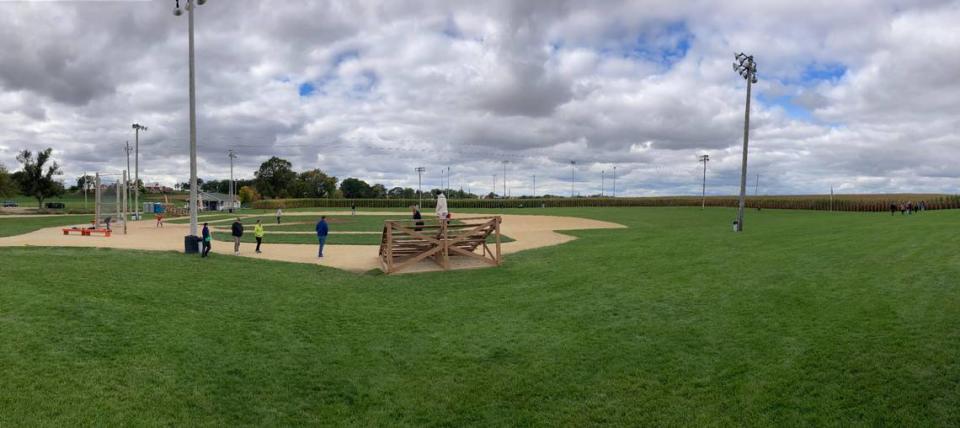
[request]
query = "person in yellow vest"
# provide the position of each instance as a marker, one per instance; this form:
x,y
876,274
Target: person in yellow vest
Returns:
x,y
258,233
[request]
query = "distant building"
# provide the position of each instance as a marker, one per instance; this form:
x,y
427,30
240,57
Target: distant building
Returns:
x,y
156,188
211,201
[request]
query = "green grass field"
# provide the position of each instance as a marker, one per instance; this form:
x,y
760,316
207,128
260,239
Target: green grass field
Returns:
x,y
806,318
20,225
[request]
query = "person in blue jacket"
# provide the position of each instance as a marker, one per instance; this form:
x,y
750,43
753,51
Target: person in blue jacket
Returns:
x,y
322,231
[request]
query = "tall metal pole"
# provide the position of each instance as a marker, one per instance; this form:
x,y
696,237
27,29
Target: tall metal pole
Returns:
x,y
136,165
127,190
614,181
193,123
505,177
448,180
86,185
420,171
534,185
704,159
233,185
747,68
602,174
494,184
573,173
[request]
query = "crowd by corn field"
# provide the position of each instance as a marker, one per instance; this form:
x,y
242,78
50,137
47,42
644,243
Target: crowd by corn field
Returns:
x,y
862,203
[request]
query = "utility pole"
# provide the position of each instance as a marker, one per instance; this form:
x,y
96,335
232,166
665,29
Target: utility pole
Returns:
x,y
233,185
534,185
747,69
420,171
573,166
505,177
127,149
704,159
136,170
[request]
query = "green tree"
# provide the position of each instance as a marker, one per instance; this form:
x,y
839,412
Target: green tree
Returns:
x,y
8,188
275,178
247,195
355,188
378,191
37,181
315,184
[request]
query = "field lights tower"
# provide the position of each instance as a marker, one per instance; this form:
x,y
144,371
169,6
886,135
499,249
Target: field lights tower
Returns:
x,y
190,5
746,67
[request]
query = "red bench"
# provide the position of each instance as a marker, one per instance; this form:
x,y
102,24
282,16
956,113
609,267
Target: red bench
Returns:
x,y
88,232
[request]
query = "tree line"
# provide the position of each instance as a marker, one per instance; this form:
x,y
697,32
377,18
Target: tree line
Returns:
x,y
276,179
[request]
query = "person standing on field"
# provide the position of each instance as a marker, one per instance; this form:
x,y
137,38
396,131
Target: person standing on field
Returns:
x,y
322,231
279,213
417,217
206,240
258,233
353,209
236,229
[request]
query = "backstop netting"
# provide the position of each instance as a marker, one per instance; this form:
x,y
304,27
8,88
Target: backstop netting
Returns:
x,y
110,209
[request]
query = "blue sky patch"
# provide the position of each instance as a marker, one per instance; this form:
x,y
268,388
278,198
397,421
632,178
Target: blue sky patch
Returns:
x,y
306,89
818,72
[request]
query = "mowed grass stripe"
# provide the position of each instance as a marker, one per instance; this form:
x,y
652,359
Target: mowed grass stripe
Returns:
x,y
806,318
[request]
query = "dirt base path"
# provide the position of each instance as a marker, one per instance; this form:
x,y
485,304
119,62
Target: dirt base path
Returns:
x,y
528,232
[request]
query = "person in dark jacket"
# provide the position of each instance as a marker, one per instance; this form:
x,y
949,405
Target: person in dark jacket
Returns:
x,y
417,217
206,240
236,229
322,231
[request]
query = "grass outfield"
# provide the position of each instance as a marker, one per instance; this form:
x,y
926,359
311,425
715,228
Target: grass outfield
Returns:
x,y
807,318
19,225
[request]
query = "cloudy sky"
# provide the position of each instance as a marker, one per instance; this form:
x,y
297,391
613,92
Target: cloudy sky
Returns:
x,y
862,95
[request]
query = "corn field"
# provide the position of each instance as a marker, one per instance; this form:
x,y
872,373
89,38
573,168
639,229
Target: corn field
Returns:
x,y
861,203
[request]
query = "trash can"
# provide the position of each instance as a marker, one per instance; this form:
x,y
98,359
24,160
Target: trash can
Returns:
x,y
735,226
191,244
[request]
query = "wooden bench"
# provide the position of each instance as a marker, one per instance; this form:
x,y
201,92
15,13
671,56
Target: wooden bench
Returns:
x,y
106,232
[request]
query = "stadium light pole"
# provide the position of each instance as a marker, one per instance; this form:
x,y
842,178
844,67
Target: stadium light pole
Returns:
x,y
534,185
233,185
614,181
136,169
704,159
420,171
573,169
190,6
746,67
127,150
505,176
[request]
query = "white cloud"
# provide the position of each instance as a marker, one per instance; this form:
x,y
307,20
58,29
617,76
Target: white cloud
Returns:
x,y
642,85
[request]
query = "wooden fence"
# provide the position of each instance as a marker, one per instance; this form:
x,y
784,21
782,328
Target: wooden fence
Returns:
x,y
408,242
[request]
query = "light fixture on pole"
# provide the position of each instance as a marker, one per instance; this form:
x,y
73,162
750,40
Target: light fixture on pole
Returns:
x,y
746,67
190,6
704,159
420,171
136,169
573,174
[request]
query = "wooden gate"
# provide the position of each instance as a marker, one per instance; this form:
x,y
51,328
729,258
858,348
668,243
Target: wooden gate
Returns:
x,y
405,243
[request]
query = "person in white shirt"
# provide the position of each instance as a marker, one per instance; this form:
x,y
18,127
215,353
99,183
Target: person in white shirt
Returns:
x,y
279,213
